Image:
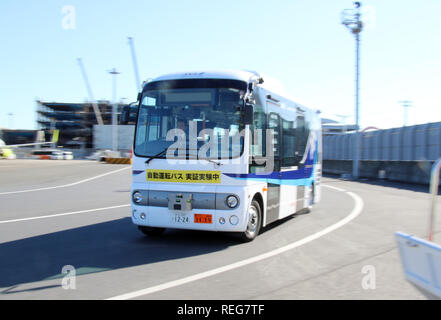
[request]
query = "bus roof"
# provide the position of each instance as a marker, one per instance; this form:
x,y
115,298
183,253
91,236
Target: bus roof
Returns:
x,y
225,74
269,83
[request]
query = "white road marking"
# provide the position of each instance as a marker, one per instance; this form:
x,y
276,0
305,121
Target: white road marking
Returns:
x,y
354,213
334,188
66,185
64,214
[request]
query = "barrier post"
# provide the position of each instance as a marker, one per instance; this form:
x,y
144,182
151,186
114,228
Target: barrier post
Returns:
x,y
434,184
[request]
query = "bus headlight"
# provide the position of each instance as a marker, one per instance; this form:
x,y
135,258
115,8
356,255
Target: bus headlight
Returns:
x,y
232,201
137,197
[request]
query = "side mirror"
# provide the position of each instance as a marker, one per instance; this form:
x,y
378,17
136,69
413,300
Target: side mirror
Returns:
x,y
248,114
139,96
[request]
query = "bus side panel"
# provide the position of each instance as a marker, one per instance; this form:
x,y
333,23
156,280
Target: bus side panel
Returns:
x,y
289,200
318,166
273,203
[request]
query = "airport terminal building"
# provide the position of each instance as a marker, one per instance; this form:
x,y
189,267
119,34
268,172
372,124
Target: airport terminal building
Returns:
x,y
74,121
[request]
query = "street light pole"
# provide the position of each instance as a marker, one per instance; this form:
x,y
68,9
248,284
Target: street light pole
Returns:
x,y
343,121
114,73
355,166
351,18
11,120
406,104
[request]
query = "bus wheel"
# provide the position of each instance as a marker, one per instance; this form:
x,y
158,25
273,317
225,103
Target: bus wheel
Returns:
x,y
254,222
151,231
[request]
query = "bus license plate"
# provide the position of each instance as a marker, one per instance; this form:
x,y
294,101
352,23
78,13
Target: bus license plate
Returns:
x,y
181,219
203,218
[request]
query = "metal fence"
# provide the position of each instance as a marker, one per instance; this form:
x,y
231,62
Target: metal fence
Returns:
x,y
413,143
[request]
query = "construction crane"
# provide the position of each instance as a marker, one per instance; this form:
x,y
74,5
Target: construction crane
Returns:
x,y
96,109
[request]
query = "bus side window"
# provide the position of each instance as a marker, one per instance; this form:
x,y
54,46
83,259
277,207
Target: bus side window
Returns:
x,y
274,124
302,133
258,138
289,143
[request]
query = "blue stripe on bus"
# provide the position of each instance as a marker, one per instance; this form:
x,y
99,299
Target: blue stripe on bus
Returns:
x,y
290,182
299,177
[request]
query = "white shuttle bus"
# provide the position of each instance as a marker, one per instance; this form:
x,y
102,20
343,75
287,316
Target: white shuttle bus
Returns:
x,y
221,151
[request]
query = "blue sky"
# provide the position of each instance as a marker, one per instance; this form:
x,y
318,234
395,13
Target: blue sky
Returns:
x,y
299,42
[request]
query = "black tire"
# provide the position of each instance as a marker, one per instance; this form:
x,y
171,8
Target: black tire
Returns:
x,y
151,231
254,223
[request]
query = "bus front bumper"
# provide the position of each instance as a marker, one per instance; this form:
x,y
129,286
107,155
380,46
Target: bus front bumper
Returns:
x,y
196,219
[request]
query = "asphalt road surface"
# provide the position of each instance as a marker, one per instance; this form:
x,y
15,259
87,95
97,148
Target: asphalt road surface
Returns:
x,y
76,213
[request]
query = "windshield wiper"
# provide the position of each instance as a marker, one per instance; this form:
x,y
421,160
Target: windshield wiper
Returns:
x,y
207,159
212,161
156,155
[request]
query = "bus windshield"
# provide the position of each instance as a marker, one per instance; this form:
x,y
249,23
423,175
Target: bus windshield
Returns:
x,y
194,107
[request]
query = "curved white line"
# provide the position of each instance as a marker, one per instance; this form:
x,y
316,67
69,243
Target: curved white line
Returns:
x,y
64,214
64,185
354,213
334,188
